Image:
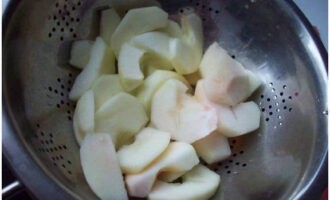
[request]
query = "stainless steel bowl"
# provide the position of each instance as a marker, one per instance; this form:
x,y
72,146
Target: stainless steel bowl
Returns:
x,y
284,159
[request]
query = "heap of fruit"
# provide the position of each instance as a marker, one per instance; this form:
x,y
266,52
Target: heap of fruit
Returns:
x,y
145,121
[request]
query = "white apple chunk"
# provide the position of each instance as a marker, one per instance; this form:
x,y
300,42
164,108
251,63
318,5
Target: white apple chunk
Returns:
x,y
226,79
199,183
254,82
154,42
174,111
178,157
101,61
172,29
122,116
192,29
80,53
150,85
101,168
123,6
213,148
183,57
135,22
148,145
108,24
152,62
129,68
232,121
105,87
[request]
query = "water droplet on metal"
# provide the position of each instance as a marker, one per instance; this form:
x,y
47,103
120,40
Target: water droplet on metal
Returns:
x,y
325,112
279,117
275,97
280,124
278,110
273,89
276,103
275,127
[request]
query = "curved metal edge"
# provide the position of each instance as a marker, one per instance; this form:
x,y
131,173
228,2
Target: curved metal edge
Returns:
x,y
35,179
320,181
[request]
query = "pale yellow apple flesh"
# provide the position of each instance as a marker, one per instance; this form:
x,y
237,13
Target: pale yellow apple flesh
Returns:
x,y
170,176
150,85
172,29
174,111
198,184
178,157
122,116
109,22
213,148
129,68
105,87
101,61
80,53
193,78
148,145
101,168
135,22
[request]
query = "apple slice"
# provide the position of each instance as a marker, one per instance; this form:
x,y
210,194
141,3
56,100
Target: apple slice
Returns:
x,y
147,90
135,22
101,168
192,29
213,148
129,68
109,22
172,29
183,57
148,145
122,116
232,121
174,111
152,62
105,87
227,81
101,61
178,157
123,6
80,53
199,183
154,42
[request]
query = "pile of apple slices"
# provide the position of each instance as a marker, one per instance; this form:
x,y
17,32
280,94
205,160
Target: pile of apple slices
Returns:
x,y
146,127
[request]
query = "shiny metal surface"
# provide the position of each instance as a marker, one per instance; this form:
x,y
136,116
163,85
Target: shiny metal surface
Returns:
x,y
282,160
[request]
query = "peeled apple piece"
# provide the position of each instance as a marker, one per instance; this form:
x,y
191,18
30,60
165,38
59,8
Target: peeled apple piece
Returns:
x,y
169,176
232,121
80,53
193,78
227,82
101,168
135,22
123,6
154,42
148,145
183,57
254,82
109,22
150,85
101,61
198,184
172,29
177,157
192,29
174,111
213,148
105,87
129,68
84,116
122,116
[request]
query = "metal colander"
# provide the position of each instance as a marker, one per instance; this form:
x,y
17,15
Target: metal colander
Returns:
x,y
284,159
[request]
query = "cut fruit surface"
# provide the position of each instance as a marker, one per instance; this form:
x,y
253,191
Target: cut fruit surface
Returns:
x,y
135,22
129,68
148,145
109,22
122,116
174,111
101,61
198,184
101,168
178,157
80,53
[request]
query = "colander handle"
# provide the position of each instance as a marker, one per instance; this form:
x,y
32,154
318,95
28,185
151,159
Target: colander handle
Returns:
x,y
11,189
